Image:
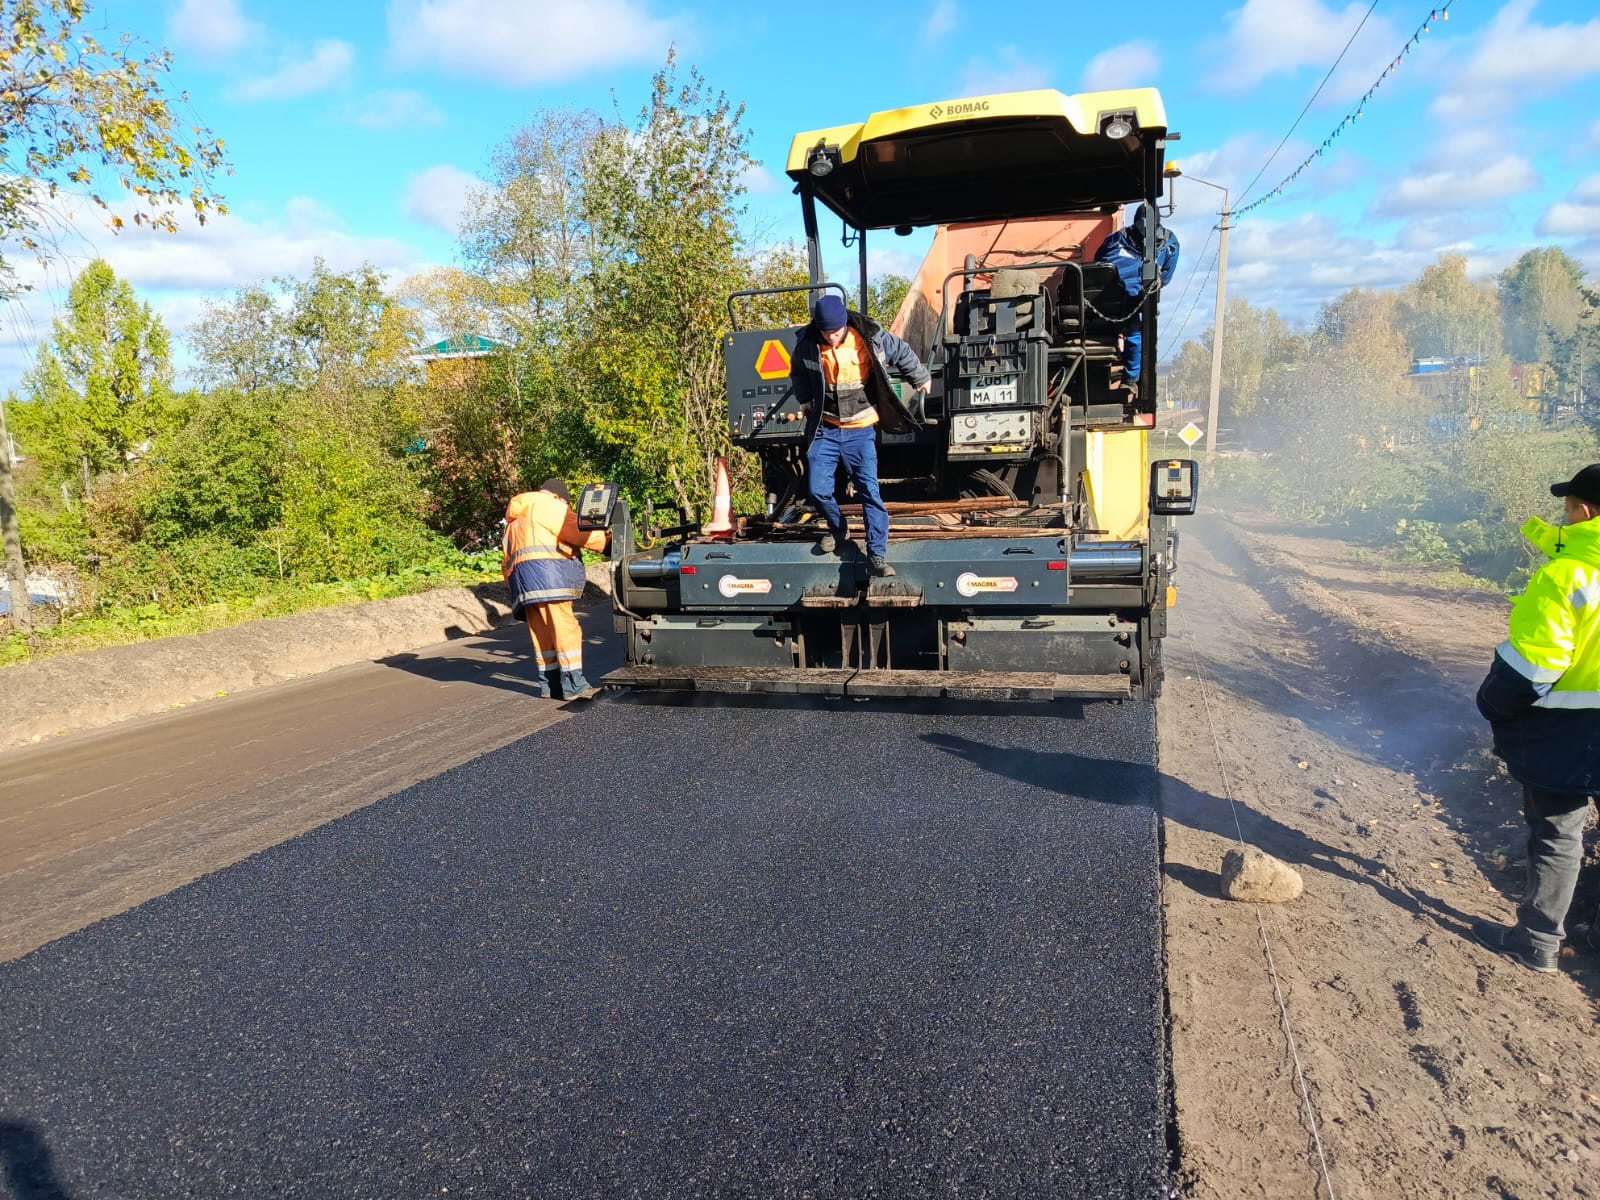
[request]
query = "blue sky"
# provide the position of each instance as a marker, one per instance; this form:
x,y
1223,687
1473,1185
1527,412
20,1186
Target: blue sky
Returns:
x,y
355,129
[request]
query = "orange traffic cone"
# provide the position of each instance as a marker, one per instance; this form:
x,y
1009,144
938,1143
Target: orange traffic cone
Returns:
x,y
721,525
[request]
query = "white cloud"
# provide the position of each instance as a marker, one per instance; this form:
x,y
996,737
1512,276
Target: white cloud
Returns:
x,y
177,273
1300,264
1467,106
1515,59
1576,216
438,195
1439,233
759,181
941,21
213,28
1512,52
330,64
392,110
1007,70
225,253
491,39
1278,37
1452,188
1132,64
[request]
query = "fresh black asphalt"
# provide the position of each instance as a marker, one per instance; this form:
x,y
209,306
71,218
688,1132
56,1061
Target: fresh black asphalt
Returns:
x,y
841,951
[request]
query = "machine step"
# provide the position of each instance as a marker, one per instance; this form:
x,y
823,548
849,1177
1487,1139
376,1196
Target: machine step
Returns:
x,y
817,681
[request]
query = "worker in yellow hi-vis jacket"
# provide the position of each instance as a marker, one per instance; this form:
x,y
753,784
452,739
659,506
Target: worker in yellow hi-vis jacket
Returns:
x,y
544,575
1542,699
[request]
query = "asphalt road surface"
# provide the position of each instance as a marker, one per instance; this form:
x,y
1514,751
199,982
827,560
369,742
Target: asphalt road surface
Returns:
x,y
837,951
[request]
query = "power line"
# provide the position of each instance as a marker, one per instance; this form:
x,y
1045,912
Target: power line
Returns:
x,y
1246,193
1189,280
1442,13
1177,338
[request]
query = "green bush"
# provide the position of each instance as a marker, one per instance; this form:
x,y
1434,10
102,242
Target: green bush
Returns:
x,y
1423,541
131,621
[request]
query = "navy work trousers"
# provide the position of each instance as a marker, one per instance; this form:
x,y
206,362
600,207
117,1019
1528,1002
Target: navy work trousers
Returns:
x,y
857,449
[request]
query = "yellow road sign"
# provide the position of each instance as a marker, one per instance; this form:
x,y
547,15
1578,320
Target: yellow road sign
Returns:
x,y
1190,434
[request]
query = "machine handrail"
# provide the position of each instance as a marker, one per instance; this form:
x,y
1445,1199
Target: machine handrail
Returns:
x,y
733,320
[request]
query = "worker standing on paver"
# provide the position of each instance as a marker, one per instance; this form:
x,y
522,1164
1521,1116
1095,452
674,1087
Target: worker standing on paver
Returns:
x,y
1542,699
840,375
544,575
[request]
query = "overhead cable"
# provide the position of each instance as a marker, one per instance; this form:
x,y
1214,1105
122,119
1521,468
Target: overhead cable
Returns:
x,y
1442,13
1245,195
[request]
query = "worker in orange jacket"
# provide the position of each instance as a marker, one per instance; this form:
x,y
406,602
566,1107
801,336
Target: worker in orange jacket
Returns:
x,y
544,575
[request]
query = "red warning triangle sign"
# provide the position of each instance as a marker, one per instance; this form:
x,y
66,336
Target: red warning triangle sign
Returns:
x,y
773,361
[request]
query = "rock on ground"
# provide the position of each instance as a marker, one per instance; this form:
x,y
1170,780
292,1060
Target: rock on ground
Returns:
x,y
1252,875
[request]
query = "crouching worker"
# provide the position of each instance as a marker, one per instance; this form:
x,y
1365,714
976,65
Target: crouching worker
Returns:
x,y
544,575
1124,250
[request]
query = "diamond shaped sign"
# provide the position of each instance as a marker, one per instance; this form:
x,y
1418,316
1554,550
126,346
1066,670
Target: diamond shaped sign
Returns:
x,y
1190,434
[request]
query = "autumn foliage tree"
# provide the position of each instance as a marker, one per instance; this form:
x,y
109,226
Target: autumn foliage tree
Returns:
x,y
88,117
92,118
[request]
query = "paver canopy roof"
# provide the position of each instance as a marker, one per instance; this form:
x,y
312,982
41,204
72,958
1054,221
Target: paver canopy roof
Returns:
x,y
985,158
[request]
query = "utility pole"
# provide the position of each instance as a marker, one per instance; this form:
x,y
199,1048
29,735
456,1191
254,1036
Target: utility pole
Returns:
x,y
1172,172
16,570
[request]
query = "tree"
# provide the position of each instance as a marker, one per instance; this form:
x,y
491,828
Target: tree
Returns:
x,y
1541,301
16,569
242,344
352,502
662,199
528,234
1446,315
100,386
79,115
885,295
473,410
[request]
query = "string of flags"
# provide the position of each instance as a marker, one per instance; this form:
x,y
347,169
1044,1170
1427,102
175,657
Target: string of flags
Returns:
x,y
1442,13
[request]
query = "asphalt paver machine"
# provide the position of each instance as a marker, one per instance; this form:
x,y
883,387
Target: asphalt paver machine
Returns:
x,y
1031,534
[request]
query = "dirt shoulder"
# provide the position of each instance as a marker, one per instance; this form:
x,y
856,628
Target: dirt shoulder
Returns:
x,y
1320,708
74,693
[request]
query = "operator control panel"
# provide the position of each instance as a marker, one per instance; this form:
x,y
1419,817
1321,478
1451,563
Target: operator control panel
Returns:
x,y
595,504
976,431
761,405
1174,487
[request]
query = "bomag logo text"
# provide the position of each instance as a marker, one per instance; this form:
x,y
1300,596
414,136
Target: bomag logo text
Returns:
x,y
962,108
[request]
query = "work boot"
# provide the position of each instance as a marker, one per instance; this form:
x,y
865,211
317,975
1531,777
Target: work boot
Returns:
x,y
828,544
880,566
1514,943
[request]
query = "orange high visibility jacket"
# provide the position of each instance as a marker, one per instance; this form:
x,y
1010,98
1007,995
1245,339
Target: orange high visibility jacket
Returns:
x,y
540,553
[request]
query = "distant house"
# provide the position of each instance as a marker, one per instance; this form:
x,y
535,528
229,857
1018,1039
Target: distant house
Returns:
x,y
1434,377
456,362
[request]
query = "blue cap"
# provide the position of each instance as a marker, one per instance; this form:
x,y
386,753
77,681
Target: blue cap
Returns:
x,y
830,313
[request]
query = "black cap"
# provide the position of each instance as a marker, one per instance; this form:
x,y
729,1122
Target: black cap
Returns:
x,y
556,487
1585,485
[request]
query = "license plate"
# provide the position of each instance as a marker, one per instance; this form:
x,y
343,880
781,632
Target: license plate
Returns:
x,y
1001,389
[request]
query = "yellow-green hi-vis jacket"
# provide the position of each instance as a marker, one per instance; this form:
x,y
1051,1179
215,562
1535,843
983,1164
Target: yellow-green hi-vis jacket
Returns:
x,y
1542,693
